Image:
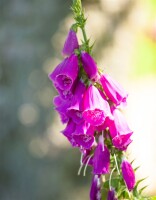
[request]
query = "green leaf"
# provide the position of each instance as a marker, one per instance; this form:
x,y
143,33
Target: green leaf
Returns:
x,y
142,189
132,161
139,181
135,169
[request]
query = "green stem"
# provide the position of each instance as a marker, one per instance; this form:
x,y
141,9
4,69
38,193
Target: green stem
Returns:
x,y
110,178
85,39
116,164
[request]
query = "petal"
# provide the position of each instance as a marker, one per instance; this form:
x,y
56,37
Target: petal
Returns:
x,y
70,44
84,140
69,130
121,142
120,131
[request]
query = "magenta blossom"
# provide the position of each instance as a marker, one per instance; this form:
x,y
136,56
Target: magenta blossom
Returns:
x,y
128,174
89,66
75,111
70,44
68,73
113,90
120,131
111,195
95,193
95,107
101,159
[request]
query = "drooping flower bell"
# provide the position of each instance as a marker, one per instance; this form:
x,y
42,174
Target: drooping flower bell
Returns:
x,y
65,73
120,131
70,44
128,174
96,108
101,159
89,66
113,90
95,193
111,195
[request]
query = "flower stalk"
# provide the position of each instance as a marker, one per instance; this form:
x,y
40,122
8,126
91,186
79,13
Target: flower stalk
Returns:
x,y
80,22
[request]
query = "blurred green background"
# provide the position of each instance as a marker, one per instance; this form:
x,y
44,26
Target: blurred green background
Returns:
x,y
36,161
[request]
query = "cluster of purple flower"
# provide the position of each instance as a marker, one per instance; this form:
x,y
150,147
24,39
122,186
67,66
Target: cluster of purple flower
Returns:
x,y
88,103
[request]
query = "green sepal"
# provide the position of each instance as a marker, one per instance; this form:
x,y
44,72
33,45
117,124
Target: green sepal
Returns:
x,y
135,169
74,27
142,189
139,181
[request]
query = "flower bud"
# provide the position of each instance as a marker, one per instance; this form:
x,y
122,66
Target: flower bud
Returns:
x,y
128,174
70,44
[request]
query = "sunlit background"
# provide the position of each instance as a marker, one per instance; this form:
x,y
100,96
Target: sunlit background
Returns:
x,y
36,161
